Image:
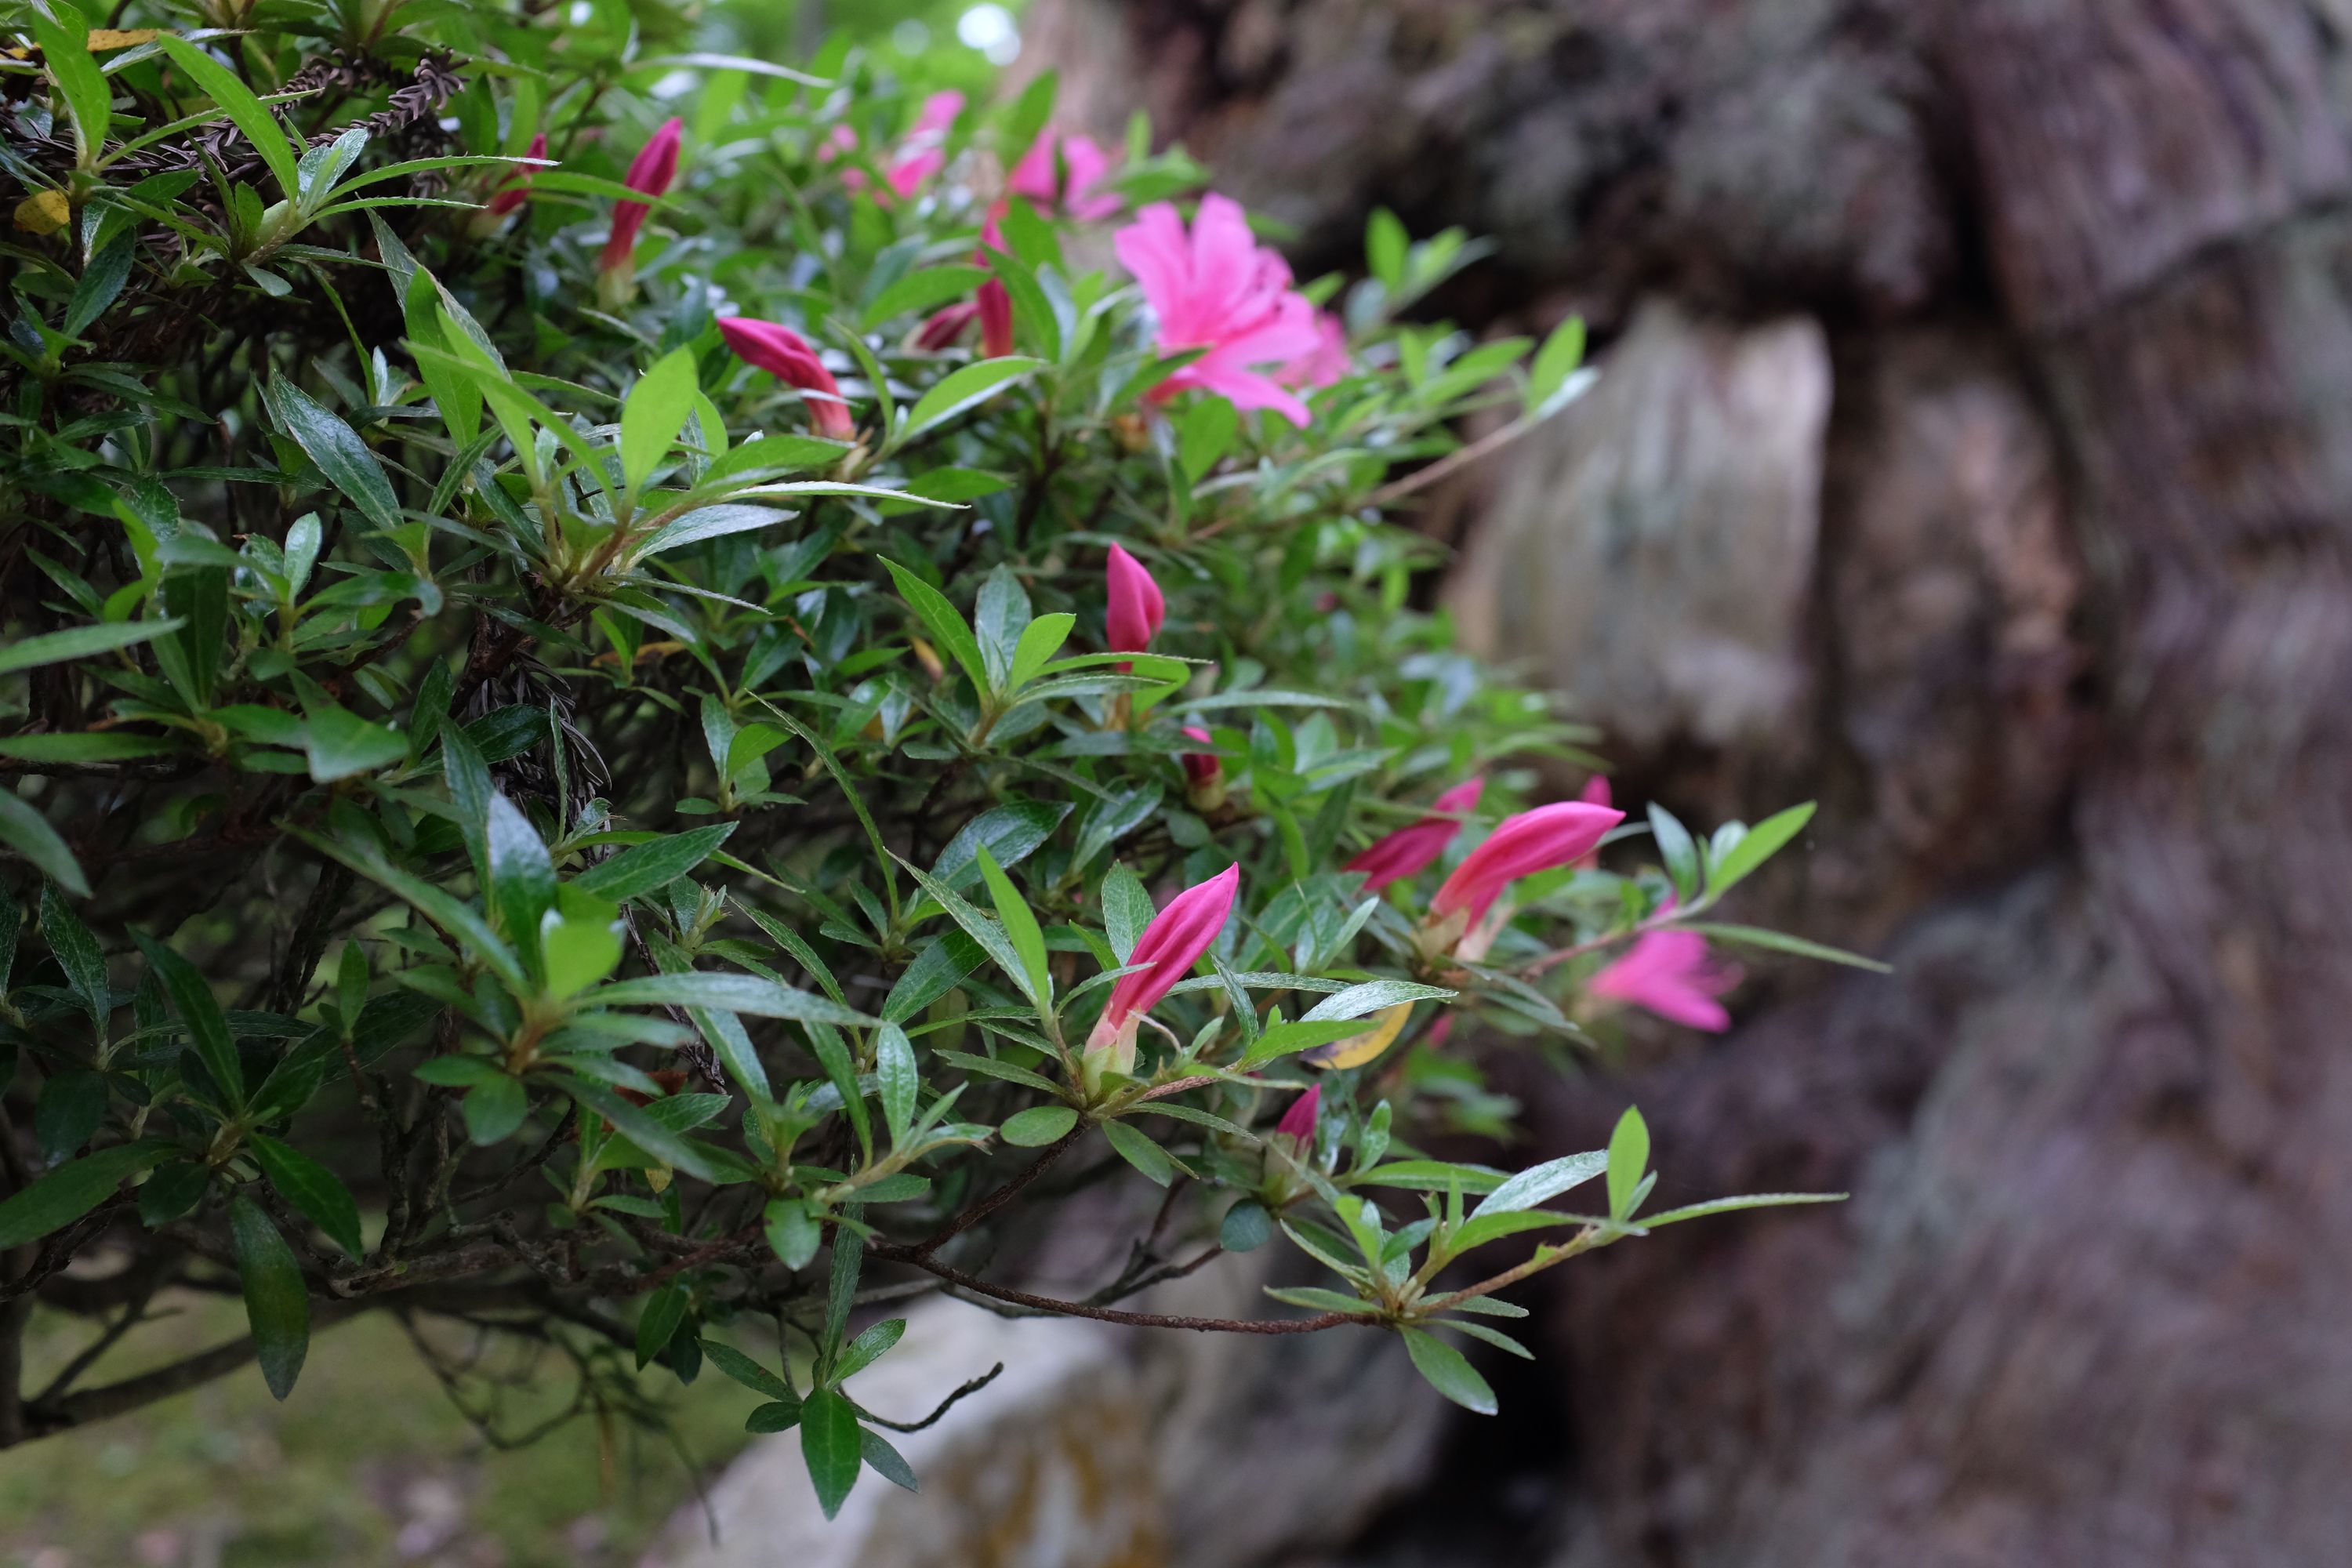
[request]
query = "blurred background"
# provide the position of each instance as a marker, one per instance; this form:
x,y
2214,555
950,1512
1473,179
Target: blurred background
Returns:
x,y
1973,454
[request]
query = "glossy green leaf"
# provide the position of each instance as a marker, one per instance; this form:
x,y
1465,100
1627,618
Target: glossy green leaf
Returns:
x,y
316,1193
1448,1371
831,1446
277,1301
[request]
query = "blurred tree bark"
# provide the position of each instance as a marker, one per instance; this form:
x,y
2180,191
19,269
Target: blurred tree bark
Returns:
x,y
1976,454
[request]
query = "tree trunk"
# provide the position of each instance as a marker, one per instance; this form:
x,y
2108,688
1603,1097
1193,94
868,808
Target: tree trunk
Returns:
x,y
1976,455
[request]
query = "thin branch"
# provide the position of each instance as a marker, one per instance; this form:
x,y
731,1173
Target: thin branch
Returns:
x,y
963,1281
1000,1196
950,1403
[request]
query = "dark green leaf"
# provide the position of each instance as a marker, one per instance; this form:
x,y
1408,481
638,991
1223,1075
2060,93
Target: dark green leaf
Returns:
x,y
664,1311
831,1446
338,450
1448,1371
1038,1126
192,999
315,1192
277,1303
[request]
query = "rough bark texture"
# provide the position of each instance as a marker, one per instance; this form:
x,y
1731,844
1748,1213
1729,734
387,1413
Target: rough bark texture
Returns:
x,y
2004,349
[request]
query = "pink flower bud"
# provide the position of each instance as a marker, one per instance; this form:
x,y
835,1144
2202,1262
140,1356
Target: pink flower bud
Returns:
x,y
1298,1121
654,166
1165,952
1537,840
1136,609
995,320
1409,851
785,353
1202,769
945,325
514,189
1671,973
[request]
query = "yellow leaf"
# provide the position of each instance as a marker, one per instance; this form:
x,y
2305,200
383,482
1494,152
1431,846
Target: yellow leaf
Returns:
x,y
44,211
1358,1049
121,37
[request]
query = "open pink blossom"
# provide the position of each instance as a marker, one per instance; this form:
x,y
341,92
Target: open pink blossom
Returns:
x,y
651,172
1217,288
1673,975
1409,851
1136,609
1298,1121
1060,170
1165,952
773,347
924,153
1537,840
1326,363
514,189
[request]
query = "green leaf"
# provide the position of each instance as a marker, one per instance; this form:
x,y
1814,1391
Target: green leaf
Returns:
x,y
894,1070
1541,1183
868,1348
1040,641
887,1461
1448,1371
315,1192
1020,927
338,450
340,744
664,1311
735,1365
1011,832
245,110
1778,942
792,1233
63,34
1038,1126
831,1446
1127,909
201,1012
277,1303
1289,1038
944,621
1554,363
79,954
1210,426
1760,844
1629,1158
654,414
78,643
1140,1152
579,943
1677,849
988,933
101,281
1246,1226
726,994
965,389
85,746
924,291
779,1415
522,876
494,1109
73,1189
1729,1206
1385,245
1372,996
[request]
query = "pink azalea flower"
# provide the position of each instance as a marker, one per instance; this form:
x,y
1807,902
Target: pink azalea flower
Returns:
x,y
1671,973
1136,610
1537,840
925,150
1202,769
1166,952
1409,851
1326,363
514,189
1217,288
1039,176
654,166
789,357
1298,1121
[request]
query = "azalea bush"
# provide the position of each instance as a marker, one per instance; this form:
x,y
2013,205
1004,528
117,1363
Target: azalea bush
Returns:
x,y
650,697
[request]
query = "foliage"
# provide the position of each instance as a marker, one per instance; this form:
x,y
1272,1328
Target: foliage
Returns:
x,y
510,824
